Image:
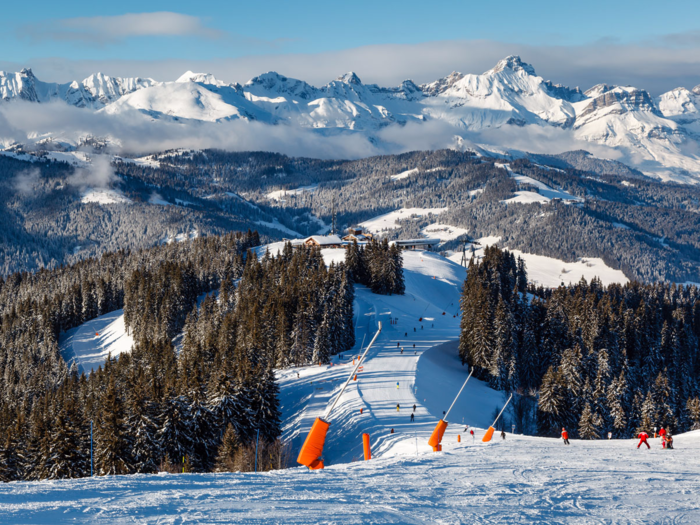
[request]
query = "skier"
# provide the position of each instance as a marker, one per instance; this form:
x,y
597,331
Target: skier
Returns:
x,y
565,436
472,433
414,407
662,435
414,328
421,327
405,334
414,345
643,436
397,407
402,350
503,434
397,344
669,442
412,416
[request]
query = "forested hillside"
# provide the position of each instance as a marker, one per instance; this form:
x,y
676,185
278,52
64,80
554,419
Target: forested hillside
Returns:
x,y
646,228
158,406
592,359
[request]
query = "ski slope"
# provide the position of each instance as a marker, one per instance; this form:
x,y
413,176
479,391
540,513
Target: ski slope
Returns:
x,y
519,480
89,344
428,375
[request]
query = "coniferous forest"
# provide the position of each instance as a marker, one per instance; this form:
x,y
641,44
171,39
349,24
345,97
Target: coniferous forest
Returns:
x,y
198,385
593,359
377,265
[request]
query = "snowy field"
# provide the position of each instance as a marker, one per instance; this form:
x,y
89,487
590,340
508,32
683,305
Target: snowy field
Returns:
x,y
89,344
550,272
388,220
519,480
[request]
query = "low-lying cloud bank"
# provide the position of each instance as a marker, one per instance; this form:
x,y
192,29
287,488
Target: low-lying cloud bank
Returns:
x,y
133,133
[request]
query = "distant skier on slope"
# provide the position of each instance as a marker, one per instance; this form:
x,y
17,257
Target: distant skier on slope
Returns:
x,y
398,407
503,434
669,442
414,407
565,436
643,436
472,433
412,417
662,435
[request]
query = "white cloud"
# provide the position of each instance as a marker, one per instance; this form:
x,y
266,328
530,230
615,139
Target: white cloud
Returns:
x,y
104,29
652,65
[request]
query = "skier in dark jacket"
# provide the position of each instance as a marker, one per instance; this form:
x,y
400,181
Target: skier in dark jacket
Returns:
x,y
412,416
503,434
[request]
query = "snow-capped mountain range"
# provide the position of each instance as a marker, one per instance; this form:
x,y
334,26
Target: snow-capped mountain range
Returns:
x,y
659,136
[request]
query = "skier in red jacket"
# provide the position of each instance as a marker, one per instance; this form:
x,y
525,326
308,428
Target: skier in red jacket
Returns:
x,y
643,436
565,436
662,435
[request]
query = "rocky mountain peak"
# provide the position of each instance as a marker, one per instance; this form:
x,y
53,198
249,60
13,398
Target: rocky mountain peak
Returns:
x,y
349,78
696,89
27,72
514,63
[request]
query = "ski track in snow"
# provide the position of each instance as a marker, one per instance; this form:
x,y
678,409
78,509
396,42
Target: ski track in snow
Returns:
x,y
519,480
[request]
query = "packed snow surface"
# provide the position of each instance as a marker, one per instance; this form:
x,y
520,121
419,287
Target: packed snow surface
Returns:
x,y
89,344
387,221
519,480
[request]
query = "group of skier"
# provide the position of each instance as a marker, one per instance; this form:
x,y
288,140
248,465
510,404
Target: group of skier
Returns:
x,y
666,438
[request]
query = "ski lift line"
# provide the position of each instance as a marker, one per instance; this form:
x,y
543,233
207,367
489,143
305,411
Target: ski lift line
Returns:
x,y
352,374
458,394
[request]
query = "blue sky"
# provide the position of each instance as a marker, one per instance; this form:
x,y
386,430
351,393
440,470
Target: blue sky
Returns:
x,y
69,38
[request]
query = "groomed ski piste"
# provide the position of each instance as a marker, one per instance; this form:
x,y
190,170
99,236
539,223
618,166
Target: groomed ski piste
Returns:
x,y
517,480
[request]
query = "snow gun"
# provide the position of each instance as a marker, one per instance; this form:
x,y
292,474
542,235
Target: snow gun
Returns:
x,y
437,434
312,449
489,433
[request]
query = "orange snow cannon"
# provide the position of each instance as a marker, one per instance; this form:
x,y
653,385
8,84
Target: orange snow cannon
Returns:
x,y
365,446
312,449
489,433
436,437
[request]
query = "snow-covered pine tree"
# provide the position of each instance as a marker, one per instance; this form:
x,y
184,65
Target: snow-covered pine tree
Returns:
x,y
589,424
226,454
111,440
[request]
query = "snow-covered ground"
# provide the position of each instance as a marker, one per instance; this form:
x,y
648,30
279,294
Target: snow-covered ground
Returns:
x,y
544,193
519,480
104,196
550,272
404,174
388,220
89,344
279,194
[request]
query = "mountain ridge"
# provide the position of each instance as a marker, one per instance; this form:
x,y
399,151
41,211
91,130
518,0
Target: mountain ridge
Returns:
x,y
659,136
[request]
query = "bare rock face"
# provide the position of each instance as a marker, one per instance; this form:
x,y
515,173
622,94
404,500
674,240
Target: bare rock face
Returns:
x,y
696,89
442,85
625,99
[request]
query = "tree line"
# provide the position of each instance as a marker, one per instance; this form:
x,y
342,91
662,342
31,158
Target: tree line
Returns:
x,y
590,358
